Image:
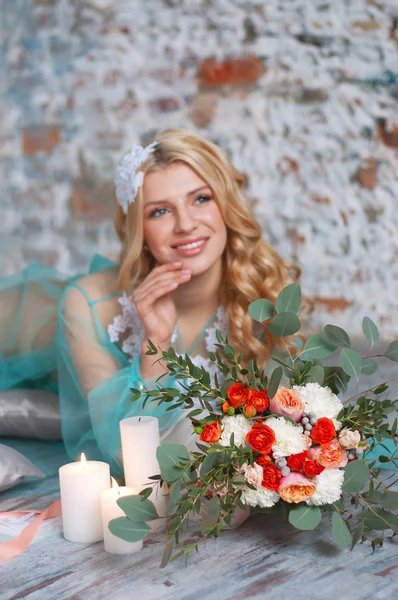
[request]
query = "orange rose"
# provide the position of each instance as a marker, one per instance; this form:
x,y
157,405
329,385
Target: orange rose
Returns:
x,y
295,487
260,400
271,477
286,402
249,411
330,455
323,431
238,394
225,407
295,461
263,460
211,433
261,438
312,468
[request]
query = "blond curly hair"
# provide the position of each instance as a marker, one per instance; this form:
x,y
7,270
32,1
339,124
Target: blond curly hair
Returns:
x,y
251,267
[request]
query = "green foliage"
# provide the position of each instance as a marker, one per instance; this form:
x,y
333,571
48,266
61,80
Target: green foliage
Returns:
x,y
340,531
370,331
355,477
392,351
285,323
261,310
318,346
305,517
137,509
337,336
289,299
128,530
351,362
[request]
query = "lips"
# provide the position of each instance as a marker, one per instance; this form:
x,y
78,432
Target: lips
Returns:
x,y
189,241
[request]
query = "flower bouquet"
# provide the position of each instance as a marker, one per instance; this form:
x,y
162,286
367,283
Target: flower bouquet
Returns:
x,y
280,442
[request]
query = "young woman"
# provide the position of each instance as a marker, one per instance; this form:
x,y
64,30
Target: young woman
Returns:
x,y
192,260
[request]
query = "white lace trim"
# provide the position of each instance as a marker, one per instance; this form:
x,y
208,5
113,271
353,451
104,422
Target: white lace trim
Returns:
x,y
127,179
130,320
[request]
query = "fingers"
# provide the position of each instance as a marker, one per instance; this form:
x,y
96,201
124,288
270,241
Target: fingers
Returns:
x,y
165,283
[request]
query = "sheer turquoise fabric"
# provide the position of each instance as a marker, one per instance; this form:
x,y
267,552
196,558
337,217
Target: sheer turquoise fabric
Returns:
x,y
53,335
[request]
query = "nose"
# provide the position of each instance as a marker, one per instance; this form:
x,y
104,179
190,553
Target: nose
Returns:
x,y
185,221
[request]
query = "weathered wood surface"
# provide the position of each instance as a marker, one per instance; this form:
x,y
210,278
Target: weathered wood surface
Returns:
x,y
264,558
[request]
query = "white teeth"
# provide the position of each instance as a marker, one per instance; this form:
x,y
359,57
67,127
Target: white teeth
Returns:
x,y
193,245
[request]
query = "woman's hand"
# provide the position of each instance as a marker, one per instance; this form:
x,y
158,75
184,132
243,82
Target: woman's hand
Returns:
x,y
155,304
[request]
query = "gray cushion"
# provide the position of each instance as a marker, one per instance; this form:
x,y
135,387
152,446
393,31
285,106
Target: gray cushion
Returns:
x,y
14,467
30,414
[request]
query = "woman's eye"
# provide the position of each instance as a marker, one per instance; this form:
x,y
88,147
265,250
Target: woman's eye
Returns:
x,y
203,199
157,213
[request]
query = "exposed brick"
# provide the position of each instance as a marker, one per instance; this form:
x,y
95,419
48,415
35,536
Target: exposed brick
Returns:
x,y
320,199
166,104
287,165
233,71
367,174
204,108
332,304
366,25
40,138
388,135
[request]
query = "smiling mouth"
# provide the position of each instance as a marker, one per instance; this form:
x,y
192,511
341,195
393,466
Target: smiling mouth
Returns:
x,y
190,245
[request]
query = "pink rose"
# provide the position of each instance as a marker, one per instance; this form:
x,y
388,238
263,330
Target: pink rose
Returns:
x,y
349,439
254,475
330,455
307,441
296,487
286,402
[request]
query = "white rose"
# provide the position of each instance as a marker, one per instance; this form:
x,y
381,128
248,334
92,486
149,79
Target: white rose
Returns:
x,y
254,475
349,439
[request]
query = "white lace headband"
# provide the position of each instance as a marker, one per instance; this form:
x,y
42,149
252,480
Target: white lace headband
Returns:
x,y
127,180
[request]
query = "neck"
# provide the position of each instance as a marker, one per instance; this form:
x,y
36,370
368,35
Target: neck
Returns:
x,y
201,294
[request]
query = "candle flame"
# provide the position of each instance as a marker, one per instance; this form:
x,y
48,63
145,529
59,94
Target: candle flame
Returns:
x,y
83,460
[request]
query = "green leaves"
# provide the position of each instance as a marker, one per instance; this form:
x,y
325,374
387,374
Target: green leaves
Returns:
x,y
379,518
305,517
370,331
210,511
318,346
340,531
355,476
171,458
285,323
261,310
315,375
128,530
369,366
274,381
387,500
392,351
289,300
337,336
351,362
136,509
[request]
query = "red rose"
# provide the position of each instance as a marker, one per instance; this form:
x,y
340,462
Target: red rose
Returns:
x,y
271,477
211,433
260,400
295,461
263,460
238,394
323,431
312,468
261,438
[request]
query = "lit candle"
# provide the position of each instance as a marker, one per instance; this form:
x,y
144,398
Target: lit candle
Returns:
x,y
111,510
140,440
81,484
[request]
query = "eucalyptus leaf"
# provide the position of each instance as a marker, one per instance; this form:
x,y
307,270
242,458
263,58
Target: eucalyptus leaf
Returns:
x,y
370,331
387,499
337,336
289,299
318,346
379,518
316,375
174,497
274,382
170,458
392,351
356,474
127,530
285,323
357,535
261,310
351,362
340,531
168,550
210,511
369,366
305,517
137,509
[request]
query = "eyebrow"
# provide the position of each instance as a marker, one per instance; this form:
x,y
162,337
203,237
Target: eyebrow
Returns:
x,y
202,187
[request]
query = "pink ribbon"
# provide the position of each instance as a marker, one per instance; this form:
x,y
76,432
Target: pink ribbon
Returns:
x,y
23,540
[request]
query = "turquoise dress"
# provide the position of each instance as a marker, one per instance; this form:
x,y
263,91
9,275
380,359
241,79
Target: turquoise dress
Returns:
x,y
65,335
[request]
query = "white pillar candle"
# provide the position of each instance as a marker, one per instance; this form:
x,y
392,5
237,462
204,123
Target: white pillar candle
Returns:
x,y
81,484
140,440
111,510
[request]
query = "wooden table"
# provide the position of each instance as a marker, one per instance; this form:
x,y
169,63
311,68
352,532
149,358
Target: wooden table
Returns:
x,y
264,558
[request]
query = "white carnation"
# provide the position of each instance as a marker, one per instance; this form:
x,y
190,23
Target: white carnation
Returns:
x,y
328,487
261,496
239,426
289,437
320,400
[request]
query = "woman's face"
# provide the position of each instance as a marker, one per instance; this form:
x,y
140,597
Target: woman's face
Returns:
x,y
182,221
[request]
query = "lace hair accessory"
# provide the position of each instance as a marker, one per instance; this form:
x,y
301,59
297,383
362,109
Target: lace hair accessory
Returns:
x,y
127,180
